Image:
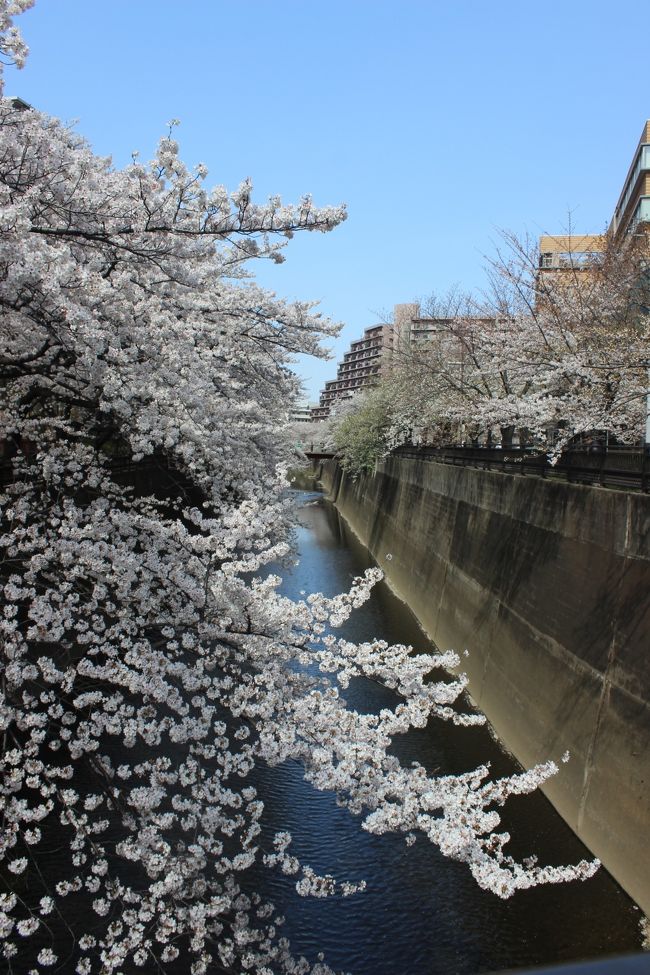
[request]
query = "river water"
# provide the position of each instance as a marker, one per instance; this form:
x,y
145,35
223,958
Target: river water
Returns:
x,y
421,913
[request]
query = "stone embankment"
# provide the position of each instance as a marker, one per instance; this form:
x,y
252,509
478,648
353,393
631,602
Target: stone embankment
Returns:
x,y
547,585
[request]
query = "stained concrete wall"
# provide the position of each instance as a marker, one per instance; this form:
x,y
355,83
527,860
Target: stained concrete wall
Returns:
x,y
547,584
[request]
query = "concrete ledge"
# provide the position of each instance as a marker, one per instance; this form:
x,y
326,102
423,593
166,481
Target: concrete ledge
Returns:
x,y
547,584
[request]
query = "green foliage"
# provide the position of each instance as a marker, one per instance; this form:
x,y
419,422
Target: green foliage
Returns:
x,y
363,434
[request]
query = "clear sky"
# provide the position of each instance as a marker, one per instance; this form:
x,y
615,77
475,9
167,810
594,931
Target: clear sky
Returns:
x,y
438,123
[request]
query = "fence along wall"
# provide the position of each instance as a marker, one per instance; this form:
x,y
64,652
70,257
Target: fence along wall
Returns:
x,y
547,584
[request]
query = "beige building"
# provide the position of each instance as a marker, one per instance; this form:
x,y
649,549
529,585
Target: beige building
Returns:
x,y
566,252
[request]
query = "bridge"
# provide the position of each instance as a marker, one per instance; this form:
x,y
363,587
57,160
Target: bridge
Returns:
x,y
318,455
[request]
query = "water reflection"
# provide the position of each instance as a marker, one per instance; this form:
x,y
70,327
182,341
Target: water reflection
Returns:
x,y
422,913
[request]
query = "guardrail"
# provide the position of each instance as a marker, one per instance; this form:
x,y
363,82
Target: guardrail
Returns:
x,y
617,467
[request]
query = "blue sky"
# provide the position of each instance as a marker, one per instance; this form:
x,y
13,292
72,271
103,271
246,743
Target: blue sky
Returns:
x,y
437,123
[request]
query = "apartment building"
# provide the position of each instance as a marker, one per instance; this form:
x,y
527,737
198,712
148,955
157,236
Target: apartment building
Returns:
x,y
371,355
632,212
358,369
300,412
411,329
631,218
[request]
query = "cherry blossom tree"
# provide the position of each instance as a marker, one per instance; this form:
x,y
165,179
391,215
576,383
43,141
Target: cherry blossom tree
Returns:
x,y
457,380
148,661
480,373
306,435
543,352
584,334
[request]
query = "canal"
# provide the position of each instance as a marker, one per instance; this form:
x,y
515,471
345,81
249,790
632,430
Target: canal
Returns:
x,y
422,914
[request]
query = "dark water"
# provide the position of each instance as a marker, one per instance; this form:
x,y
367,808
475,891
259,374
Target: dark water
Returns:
x,y
421,913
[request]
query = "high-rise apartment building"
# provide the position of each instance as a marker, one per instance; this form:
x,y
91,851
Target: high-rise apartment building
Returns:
x,y
371,355
359,368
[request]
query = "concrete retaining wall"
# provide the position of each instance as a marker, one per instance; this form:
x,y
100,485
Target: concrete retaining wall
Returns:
x,y
547,584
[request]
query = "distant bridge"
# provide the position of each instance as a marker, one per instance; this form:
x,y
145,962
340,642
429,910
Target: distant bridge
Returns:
x,y
318,454
315,450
